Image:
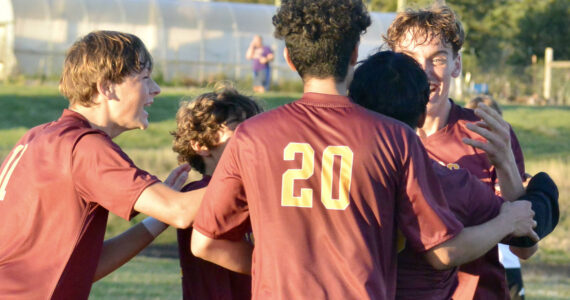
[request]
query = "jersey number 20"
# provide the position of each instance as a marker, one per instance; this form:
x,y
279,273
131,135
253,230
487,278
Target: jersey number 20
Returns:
x,y
9,168
307,170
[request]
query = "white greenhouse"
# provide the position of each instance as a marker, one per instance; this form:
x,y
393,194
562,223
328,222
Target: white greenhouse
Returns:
x,y
188,39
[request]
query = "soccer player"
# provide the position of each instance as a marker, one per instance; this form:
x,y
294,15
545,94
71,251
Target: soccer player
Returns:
x,y
395,85
62,178
204,126
325,183
433,37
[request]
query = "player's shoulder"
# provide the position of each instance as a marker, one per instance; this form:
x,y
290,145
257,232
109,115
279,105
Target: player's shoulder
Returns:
x,y
264,119
463,114
383,123
68,128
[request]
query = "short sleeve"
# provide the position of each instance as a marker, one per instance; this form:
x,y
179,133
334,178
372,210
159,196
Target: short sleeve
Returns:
x,y
472,201
424,216
104,174
224,212
267,51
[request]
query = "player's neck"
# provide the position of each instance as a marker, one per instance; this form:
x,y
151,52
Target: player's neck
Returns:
x,y
98,117
325,86
436,119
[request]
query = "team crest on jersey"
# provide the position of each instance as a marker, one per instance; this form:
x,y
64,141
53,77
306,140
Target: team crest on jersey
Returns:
x,y
451,166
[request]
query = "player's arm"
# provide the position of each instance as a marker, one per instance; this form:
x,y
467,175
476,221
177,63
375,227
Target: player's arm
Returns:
x,y
169,206
515,218
498,148
120,249
232,255
250,51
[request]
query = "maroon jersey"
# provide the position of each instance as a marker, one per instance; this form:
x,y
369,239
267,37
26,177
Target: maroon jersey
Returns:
x,y
446,147
56,188
202,279
473,203
326,185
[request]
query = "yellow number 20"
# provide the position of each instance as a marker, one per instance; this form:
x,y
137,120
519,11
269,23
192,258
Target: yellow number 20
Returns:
x,y
306,171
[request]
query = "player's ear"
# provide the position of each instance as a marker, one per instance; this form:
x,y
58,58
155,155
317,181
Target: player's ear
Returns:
x,y
288,59
199,149
106,89
456,66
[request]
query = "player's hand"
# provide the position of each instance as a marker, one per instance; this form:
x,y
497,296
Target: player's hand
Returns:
x,y
495,130
520,216
178,177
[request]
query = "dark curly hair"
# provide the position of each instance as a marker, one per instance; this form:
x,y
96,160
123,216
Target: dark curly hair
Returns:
x,y
321,35
201,119
427,24
392,84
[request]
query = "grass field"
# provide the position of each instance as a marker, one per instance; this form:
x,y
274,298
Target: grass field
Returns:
x,y
544,133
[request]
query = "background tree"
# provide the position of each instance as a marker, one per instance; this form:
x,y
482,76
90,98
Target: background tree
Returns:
x,y
501,37
545,25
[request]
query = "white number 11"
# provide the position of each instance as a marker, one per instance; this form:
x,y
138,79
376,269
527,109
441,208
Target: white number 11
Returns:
x,y
9,168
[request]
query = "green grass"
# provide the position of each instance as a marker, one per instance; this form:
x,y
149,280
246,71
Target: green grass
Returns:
x,y
544,134
543,131
141,278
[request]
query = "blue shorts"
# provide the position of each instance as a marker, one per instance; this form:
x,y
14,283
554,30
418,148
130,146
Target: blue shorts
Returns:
x,y
262,78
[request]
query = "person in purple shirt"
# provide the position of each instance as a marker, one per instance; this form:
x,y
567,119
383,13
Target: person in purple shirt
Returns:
x,y
261,55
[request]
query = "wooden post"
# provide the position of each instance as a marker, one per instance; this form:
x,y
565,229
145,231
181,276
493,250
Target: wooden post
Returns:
x,y
401,6
548,55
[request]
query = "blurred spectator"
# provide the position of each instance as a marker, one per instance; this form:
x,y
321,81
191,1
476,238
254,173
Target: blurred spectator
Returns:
x,y
486,99
261,56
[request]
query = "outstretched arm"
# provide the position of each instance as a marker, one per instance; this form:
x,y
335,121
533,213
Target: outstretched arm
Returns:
x,y
120,249
498,148
515,218
170,206
232,255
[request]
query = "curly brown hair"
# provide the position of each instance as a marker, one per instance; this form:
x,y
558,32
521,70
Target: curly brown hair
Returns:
x,y
321,35
101,56
439,21
201,119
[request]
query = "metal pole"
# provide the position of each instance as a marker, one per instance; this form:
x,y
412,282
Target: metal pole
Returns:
x,y
548,55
